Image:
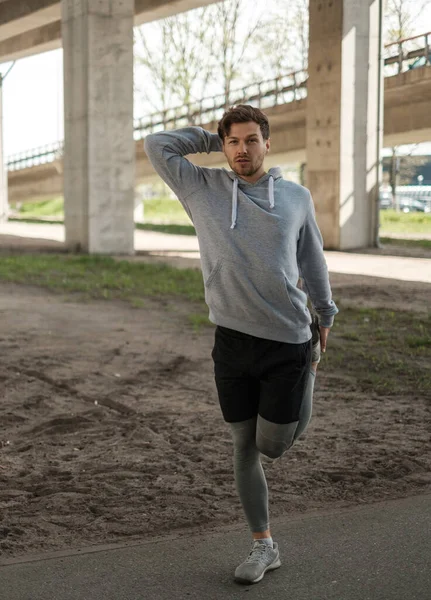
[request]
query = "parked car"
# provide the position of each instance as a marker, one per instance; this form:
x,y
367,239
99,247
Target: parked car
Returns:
x,y
413,205
426,201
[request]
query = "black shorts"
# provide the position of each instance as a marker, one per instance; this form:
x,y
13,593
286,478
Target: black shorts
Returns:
x,y
257,376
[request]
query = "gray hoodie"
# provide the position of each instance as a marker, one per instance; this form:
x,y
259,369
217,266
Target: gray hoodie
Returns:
x,y
255,240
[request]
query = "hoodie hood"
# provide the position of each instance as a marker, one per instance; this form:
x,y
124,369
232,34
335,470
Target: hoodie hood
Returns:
x,y
266,181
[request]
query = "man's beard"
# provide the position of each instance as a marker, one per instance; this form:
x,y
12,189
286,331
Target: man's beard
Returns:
x,y
248,169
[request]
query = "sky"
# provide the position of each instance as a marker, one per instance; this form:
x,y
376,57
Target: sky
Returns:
x,y
33,99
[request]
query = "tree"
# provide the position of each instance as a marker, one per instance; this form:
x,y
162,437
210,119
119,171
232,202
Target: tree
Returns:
x,y
177,64
282,46
298,31
210,51
195,54
234,32
401,17
157,72
192,56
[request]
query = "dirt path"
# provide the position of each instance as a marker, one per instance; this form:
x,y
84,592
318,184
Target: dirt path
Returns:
x,y
110,426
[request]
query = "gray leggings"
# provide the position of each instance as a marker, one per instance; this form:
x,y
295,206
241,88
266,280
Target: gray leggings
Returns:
x,y
256,436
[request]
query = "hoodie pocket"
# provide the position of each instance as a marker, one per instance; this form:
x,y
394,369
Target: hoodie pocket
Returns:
x,y
249,294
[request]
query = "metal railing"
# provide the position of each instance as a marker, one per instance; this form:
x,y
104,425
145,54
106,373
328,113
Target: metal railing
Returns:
x,y
398,56
36,156
407,54
264,94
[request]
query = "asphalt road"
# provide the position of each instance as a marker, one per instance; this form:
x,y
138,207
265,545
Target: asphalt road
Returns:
x,y
375,552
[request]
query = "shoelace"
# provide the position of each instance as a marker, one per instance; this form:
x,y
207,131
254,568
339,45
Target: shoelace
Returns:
x,y
257,552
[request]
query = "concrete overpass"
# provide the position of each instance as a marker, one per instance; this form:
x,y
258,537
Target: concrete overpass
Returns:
x,y
34,26
343,124
407,120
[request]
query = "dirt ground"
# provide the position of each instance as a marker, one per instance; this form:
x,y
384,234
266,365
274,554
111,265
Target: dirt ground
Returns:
x,y
110,428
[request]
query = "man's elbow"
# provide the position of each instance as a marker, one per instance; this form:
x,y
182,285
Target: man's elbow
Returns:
x,y
154,144
150,143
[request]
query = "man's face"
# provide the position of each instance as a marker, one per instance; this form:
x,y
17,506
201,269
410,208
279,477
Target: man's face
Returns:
x,y
245,150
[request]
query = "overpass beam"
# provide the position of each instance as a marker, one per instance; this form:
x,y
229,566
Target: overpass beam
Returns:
x,y
344,119
99,151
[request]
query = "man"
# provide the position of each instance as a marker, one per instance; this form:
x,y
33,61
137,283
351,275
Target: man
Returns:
x,y
257,234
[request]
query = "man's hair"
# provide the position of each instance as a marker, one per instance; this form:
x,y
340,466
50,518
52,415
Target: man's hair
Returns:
x,y
243,113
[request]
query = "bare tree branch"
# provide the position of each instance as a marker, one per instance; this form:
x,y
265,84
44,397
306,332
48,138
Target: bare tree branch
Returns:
x,y
401,17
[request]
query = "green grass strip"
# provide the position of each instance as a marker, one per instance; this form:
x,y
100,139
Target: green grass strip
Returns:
x,y
406,243
172,228
102,277
392,221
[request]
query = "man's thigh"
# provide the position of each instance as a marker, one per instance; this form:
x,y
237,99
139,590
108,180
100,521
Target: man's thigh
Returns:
x,y
283,382
238,393
238,390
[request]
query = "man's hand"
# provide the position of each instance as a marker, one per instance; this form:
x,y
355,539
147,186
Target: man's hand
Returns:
x,y
324,332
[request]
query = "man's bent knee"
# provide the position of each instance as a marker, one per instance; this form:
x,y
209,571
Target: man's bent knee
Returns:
x,y
273,439
272,448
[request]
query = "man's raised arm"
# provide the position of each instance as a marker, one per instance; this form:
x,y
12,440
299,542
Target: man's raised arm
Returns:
x,y
166,151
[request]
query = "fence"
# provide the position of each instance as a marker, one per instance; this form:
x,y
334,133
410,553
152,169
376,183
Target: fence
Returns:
x,y
408,53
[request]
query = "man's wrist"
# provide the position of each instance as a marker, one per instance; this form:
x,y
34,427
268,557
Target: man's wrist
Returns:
x,y
326,321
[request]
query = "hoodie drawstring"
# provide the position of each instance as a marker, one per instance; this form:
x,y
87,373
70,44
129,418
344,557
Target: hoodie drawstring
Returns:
x,y
234,202
235,199
271,192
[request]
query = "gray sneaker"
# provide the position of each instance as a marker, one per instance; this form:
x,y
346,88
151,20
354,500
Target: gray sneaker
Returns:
x,y
262,558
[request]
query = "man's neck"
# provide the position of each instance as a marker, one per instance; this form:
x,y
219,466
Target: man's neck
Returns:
x,y
253,178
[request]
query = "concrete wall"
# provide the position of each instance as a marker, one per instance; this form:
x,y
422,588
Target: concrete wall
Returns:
x,y
407,107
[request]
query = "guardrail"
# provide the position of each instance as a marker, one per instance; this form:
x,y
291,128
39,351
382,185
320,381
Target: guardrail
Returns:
x,y
407,54
265,94
398,56
36,156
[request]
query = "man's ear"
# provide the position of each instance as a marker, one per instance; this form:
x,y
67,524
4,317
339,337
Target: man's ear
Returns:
x,y
268,145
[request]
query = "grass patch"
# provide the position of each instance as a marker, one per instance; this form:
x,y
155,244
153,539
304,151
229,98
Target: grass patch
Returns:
x,y
44,221
389,351
102,277
418,341
161,214
392,221
172,228
199,320
51,207
165,209
406,243
137,302
351,336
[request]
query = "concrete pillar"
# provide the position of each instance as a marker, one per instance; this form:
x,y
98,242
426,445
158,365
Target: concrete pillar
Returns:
x,y
99,160
344,119
4,205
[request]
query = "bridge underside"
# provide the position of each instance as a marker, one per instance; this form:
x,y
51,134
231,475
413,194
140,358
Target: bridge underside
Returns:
x,y
34,26
336,129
